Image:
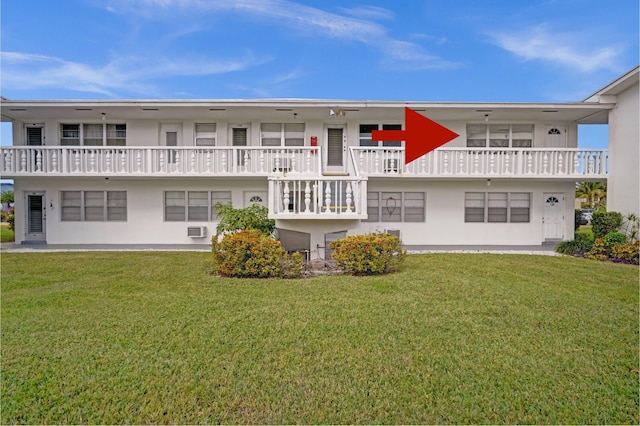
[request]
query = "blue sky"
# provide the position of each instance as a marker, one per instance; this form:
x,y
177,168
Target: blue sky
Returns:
x,y
430,50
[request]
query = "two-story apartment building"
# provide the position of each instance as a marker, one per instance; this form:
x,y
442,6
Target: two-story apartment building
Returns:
x,y
152,171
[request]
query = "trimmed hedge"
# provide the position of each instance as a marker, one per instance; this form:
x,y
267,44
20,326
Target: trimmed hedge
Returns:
x,y
604,222
369,254
251,253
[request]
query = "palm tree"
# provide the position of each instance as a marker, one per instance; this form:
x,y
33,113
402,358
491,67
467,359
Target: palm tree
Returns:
x,y
6,197
593,192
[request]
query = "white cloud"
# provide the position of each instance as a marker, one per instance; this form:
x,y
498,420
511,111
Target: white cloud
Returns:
x,y
400,53
133,74
369,12
567,49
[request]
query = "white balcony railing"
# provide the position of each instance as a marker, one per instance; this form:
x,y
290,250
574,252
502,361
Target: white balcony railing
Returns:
x,y
157,161
340,197
578,164
484,162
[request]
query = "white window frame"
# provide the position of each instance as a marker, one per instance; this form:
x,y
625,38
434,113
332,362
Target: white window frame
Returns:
x,y
111,204
110,134
492,202
285,133
380,209
205,136
213,197
364,138
495,132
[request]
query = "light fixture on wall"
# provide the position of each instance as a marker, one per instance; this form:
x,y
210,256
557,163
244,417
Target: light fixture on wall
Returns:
x,y
338,113
104,116
488,182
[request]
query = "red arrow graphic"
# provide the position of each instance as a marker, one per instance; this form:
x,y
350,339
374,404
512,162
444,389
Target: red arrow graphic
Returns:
x,y
420,136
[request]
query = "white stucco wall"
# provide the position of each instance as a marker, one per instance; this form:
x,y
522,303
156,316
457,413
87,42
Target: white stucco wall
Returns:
x,y
145,213
444,224
623,186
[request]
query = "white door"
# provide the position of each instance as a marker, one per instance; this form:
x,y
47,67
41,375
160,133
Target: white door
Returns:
x,y
556,137
35,134
255,197
35,225
553,219
171,136
336,150
240,137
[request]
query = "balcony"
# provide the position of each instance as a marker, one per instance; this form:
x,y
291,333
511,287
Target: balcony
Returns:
x,y
547,163
320,198
567,163
156,161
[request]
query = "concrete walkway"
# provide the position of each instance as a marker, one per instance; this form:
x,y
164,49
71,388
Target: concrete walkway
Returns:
x,y
41,248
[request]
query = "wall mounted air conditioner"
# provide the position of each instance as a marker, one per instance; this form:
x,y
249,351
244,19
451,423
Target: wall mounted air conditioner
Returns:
x,y
197,231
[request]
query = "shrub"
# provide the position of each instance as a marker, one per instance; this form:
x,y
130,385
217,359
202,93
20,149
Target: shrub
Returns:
x,y
631,227
574,247
252,217
626,253
613,239
370,254
582,244
604,222
251,253
598,251
577,214
11,219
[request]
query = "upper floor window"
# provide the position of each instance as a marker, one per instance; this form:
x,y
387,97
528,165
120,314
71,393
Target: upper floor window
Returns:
x,y
205,134
93,134
282,134
500,135
367,129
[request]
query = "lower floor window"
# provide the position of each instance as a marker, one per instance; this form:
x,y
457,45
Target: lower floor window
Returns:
x,y
193,206
502,207
94,205
395,207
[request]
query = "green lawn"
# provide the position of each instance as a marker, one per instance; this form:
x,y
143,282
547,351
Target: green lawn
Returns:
x,y
151,337
6,234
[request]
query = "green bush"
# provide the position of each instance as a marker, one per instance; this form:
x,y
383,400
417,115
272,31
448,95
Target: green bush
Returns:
x,y
577,214
613,239
631,228
252,217
579,246
370,254
11,219
604,222
251,253
626,253
598,251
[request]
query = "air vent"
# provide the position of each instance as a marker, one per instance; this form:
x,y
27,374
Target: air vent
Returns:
x,y
197,231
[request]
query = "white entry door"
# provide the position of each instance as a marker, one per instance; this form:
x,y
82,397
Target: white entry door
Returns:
x,y
336,150
171,136
556,137
553,219
35,226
